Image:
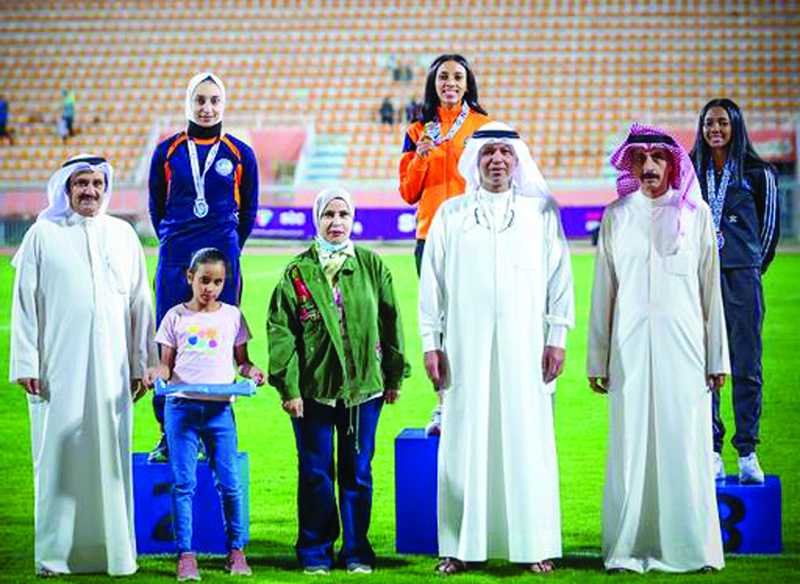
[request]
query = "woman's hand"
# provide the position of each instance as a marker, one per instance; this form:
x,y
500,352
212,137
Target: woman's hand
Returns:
x,y
390,396
425,145
293,407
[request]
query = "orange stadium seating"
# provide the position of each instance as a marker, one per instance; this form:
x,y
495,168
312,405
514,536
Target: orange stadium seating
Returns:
x,y
567,73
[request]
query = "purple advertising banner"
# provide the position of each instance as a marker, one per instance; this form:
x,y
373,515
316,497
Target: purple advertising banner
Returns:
x,y
390,224
580,221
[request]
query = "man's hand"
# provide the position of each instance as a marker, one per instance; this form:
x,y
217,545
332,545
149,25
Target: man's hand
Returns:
x,y
552,363
437,368
599,384
293,407
138,389
716,381
390,396
31,385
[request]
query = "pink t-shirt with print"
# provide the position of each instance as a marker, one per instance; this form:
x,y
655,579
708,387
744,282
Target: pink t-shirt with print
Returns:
x,y
204,343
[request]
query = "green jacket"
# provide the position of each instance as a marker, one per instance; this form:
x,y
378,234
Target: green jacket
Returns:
x,y
306,351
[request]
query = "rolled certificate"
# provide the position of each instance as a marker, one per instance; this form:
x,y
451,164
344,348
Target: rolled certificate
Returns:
x,y
246,388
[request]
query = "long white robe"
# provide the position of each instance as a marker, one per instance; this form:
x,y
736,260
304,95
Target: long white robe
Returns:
x,y
82,323
498,287
657,329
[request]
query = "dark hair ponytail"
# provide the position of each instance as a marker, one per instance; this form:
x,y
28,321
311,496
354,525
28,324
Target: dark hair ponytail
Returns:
x,y
740,148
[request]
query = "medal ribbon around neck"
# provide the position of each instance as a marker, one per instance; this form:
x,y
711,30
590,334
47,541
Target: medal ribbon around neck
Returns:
x,y
434,129
200,205
508,214
716,196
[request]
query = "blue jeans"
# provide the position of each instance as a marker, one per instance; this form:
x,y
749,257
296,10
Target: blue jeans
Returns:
x,y
186,421
316,499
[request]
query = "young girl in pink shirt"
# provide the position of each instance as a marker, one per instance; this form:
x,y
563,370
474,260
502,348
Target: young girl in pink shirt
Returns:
x,y
199,341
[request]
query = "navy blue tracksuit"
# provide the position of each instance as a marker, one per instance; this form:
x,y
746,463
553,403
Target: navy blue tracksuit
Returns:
x,y
231,188
749,226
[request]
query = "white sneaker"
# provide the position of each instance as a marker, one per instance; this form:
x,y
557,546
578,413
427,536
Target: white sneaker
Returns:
x,y
750,472
719,468
316,571
434,427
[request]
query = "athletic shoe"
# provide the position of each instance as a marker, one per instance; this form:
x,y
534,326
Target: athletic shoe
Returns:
x,y
719,468
316,570
434,427
187,567
236,564
161,452
750,472
360,569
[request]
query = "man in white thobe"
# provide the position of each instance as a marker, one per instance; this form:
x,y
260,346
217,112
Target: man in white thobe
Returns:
x,y
496,301
81,334
657,347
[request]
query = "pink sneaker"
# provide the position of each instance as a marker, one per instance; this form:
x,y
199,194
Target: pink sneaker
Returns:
x,y
187,567
236,564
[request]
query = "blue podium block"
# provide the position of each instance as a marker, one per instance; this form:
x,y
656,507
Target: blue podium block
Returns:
x,y
152,492
415,492
750,516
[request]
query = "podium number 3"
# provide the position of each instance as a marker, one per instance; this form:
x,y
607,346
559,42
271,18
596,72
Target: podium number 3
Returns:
x,y
731,536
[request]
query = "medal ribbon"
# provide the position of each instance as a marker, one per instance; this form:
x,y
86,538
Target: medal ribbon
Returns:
x,y
716,195
200,180
434,130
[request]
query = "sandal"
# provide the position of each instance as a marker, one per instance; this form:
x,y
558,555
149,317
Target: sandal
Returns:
x,y
450,566
541,567
43,572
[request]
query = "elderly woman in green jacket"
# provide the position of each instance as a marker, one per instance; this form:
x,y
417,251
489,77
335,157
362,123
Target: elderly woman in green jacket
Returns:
x,y
336,355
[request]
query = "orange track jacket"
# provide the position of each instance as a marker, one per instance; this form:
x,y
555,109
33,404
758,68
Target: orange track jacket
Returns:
x,y
431,180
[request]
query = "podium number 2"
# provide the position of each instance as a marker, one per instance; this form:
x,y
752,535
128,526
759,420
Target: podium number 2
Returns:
x,y
731,536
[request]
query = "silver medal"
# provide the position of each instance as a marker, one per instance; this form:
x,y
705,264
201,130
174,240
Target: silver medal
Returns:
x,y
200,205
200,208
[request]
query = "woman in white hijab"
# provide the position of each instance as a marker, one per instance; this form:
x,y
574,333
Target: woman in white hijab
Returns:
x,y
203,193
336,355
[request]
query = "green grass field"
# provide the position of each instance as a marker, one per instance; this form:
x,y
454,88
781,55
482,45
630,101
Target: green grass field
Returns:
x,y
581,421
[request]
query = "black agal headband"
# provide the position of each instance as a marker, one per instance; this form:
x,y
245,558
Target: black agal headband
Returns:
x,y
650,139
484,134
93,160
